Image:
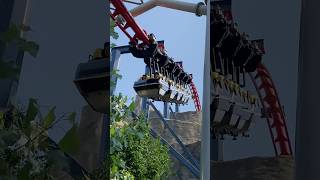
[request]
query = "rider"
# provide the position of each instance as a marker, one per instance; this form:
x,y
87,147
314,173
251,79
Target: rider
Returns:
x,y
150,53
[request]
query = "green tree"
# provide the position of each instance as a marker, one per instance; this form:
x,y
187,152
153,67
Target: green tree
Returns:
x,y
134,153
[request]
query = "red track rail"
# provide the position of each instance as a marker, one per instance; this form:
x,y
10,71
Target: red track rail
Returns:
x,y
269,99
195,96
121,12
274,112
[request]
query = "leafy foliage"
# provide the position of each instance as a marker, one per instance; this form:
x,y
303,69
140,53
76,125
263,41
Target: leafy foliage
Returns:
x,y
114,75
134,153
28,46
26,151
113,33
70,143
12,35
8,67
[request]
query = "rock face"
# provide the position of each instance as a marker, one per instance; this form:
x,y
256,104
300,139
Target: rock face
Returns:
x,y
254,168
186,125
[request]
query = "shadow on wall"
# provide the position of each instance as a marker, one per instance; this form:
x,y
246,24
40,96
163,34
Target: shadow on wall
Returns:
x,y
67,32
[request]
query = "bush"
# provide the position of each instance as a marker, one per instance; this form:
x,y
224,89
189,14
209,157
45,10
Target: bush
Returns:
x,y
134,153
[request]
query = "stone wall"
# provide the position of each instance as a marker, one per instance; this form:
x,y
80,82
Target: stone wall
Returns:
x,y
255,168
187,127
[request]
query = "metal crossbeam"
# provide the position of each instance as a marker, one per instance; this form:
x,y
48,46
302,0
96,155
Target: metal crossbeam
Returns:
x,y
189,155
194,170
134,2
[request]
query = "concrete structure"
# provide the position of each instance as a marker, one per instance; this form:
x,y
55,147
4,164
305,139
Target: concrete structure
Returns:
x,y
307,125
90,133
205,128
11,12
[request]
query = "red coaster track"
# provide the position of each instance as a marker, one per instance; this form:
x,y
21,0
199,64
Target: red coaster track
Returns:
x,y
266,90
272,108
124,20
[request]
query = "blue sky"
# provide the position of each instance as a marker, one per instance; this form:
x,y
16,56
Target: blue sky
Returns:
x,y
184,36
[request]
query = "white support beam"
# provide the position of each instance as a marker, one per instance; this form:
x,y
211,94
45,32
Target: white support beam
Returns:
x,y
199,9
205,126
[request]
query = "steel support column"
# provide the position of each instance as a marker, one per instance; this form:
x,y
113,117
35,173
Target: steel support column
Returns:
x,y
307,156
177,108
166,112
115,62
205,126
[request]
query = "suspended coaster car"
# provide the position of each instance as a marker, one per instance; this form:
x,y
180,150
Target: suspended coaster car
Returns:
x,y
92,80
166,80
254,59
153,87
232,108
229,43
159,88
